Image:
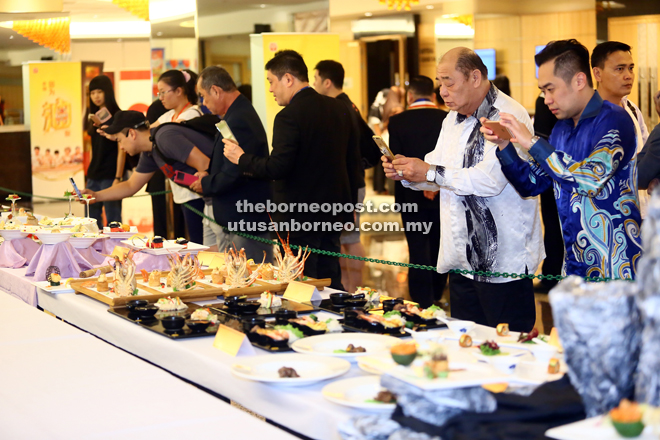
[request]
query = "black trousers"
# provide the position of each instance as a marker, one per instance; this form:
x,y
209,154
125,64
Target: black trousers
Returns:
x,y
552,236
158,203
425,286
321,266
493,303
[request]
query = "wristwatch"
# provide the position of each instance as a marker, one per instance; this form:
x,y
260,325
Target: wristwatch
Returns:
x,y
430,174
118,178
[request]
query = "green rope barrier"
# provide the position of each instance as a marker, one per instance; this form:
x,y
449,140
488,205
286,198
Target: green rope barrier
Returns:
x,y
351,257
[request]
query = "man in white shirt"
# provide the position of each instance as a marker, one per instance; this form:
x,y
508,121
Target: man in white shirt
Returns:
x,y
613,67
485,225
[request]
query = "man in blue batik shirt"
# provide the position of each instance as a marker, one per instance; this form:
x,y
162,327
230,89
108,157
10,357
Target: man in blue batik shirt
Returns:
x,y
590,159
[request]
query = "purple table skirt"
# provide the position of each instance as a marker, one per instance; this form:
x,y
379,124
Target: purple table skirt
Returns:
x,y
17,253
62,255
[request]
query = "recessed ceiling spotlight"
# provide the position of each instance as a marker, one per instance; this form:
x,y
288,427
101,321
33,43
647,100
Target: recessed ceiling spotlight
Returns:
x,y
11,37
368,14
187,24
262,6
158,34
430,6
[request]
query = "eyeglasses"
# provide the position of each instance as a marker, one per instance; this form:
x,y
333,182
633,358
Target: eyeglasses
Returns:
x,y
161,94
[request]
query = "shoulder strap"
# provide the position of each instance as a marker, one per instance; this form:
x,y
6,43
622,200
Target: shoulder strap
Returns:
x,y
632,109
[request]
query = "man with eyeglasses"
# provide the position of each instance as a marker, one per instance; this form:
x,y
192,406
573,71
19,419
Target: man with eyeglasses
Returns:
x,y
175,148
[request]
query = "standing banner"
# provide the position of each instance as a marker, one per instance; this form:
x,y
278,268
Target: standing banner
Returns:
x,y
55,126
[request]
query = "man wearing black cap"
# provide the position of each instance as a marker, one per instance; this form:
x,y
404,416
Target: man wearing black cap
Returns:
x,y
176,147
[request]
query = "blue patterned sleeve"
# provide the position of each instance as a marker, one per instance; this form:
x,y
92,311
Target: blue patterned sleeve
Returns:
x,y
589,176
527,177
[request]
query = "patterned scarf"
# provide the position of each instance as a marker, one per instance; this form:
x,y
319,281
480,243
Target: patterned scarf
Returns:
x,y
481,247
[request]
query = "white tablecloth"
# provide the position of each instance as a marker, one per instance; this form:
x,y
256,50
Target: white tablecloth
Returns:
x,y
14,282
57,382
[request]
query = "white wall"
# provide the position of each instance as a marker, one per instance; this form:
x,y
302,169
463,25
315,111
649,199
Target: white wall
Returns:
x,y
18,57
178,49
230,45
280,19
116,55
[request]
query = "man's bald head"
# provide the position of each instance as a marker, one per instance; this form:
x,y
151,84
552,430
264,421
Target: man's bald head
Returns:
x,y
465,61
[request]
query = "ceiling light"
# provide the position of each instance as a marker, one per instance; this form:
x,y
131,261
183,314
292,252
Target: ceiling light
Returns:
x,y
187,24
368,14
11,37
262,6
453,30
164,10
158,34
110,29
430,6
7,24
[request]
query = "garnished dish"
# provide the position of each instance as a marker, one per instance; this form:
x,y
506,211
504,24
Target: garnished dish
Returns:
x,y
271,337
465,341
54,279
217,276
290,266
627,419
437,366
287,372
182,272
412,310
267,272
388,321
119,227
182,241
383,397
125,283
502,329
204,314
155,242
404,354
352,349
268,300
310,325
528,338
553,366
238,269
154,278
490,348
102,283
170,304
371,295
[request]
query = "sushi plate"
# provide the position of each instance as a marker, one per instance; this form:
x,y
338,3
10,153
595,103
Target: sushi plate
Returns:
x,y
334,344
45,285
310,368
357,392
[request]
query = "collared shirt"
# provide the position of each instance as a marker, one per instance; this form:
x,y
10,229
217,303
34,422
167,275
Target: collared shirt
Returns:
x,y
593,169
642,134
422,103
485,225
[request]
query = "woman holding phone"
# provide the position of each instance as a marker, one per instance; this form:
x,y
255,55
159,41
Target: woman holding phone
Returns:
x,y
106,167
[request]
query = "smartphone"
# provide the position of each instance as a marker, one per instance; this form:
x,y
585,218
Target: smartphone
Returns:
x,y
103,115
184,178
75,188
382,146
224,130
95,119
501,132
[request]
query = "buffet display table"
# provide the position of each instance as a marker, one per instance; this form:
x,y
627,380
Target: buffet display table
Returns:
x,y
58,382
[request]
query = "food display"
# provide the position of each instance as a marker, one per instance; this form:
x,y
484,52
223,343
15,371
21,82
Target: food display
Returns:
x,y
627,419
217,276
11,224
154,278
371,295
269,300
290,266
465,341
553,366
310,325
490,348
102,283
502,329
182,272
385,397
287,372
170,304
155,242
119,227
31,220
352,349
125,283
239,273
204,314
437,366
181,241
415,313
528,338
404,354
54,279
267,272
270,337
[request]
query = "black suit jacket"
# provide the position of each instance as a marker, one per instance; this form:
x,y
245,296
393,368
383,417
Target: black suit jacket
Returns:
x,y
414,133
648,160
225,182
311,160
369,151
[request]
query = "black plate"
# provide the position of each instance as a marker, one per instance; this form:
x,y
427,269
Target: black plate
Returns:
x,y
267,313
155,325
423,324
349,328
327,305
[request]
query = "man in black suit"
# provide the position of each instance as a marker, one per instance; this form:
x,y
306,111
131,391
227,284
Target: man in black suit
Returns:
x,y
311,162
224,181
414,133
329,81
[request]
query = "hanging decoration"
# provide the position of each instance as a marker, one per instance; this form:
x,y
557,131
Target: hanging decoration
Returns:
x,y
399,4
139,8
52,33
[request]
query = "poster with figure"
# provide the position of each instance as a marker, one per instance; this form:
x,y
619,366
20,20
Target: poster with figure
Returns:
x,y
55,126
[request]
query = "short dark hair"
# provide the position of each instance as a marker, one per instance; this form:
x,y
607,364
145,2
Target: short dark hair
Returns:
x,y
217,76
332,70
468,61
503,84
603,50
570,57
288,61
176,79
421,86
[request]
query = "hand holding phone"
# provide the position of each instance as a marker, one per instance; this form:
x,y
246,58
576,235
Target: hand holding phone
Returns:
x,y
384,149
95,119
75,188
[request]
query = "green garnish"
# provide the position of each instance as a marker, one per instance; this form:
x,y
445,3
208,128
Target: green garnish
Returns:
x,y
410,324
291,329
428,373
488,351
339,350
314,317
373,401
135,292
391,313
433,308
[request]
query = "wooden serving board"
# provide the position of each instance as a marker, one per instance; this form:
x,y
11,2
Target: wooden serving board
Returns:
x,y
150,295
259,286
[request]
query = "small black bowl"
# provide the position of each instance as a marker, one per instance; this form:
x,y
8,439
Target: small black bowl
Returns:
x,y
146,312
338,298
350,315
132,304
388,304
173,322
355,302
282,316
249,323
358,296
197,326
231,301
247,307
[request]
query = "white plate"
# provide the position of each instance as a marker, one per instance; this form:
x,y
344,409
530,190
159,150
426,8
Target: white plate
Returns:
x,y
593,428
192,248
168,247
84,242
12,234
45,285
356,393
129,234
20,218
325,345
311,369
53,238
